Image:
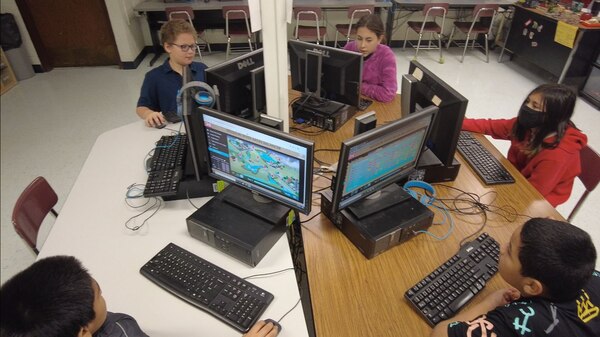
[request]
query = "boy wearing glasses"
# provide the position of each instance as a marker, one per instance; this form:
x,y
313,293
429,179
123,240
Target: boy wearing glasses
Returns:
x,y
159,90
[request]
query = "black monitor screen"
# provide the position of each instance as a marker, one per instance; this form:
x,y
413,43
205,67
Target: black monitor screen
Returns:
x,y
372,160
340,74
234,83
269,162
431,90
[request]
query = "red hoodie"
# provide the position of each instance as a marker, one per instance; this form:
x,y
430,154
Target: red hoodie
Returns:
x,y
550,171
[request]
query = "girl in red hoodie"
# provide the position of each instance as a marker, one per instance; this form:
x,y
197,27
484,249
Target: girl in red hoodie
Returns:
x,y
545,144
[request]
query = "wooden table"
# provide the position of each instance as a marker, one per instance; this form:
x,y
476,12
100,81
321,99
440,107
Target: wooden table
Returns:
x,y
353,296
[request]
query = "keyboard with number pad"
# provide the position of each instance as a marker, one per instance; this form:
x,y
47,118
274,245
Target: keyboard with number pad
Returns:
x,y
487,167
229,298
447,289
166,166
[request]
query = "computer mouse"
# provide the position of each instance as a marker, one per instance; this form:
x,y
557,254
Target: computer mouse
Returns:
x,y
160,126
275,323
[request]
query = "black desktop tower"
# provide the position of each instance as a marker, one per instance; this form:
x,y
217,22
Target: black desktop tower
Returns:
x,y
234,231
376,233
331,116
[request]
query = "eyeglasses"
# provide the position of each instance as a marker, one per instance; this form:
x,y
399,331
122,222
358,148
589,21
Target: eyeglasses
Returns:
x,y
185,47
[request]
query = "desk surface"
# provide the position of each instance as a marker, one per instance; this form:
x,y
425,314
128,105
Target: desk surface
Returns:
x,y
457,3
159,5
354,296
91,227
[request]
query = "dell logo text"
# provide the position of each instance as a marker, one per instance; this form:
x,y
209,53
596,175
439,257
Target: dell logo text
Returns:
x,y
245,63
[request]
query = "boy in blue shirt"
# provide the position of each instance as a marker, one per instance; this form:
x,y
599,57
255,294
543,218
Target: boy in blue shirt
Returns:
x,y
159,90
556,291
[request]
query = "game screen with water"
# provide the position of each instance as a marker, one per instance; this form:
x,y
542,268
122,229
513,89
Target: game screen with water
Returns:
x,y
366,168
268,168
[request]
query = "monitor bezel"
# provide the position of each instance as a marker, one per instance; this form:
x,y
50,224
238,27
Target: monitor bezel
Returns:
x,y
309,145
399,125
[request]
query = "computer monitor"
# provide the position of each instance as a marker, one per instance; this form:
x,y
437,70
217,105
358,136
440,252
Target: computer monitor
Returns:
x,y
259,92
260,159
233,79
371,161
425,90
326,72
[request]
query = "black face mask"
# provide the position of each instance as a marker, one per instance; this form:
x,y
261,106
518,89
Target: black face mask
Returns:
x,y
529,118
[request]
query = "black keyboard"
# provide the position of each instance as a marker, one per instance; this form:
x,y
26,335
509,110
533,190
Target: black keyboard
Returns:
x,y
442,293
487,167
229,298
165,169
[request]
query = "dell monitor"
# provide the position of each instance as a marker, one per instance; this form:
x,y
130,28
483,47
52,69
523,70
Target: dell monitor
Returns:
x,y
326,72
374,160
262,160
233,80
422,88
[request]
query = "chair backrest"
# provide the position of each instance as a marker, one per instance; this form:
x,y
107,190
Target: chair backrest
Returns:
x,y
307,13
236,12
183,13
435,9
484,11
590,168
358,11
32,206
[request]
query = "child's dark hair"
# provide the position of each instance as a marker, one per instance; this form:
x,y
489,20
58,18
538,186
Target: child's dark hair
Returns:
x,y
558,104
373,23
52,298
559,255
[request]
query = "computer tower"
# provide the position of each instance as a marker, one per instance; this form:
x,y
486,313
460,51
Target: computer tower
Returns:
x,y
379,232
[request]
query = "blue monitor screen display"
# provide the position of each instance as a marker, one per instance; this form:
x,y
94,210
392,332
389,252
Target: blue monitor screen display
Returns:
x,y
269,162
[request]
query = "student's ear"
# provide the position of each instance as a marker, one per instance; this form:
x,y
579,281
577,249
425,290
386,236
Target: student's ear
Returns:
x,y
533,287
84,332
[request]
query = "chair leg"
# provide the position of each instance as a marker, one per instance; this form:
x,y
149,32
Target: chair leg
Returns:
x,y
418,45
250,42
335,42
450,38
487,56
465,49
440,45
228,49
405,37
199,53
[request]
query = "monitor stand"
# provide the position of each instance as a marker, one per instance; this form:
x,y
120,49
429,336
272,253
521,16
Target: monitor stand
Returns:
x,y
234,223
378,201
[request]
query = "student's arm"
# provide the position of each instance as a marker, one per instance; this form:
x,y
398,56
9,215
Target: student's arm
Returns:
x,y
150,117
262,329
497,128
385,91
497,298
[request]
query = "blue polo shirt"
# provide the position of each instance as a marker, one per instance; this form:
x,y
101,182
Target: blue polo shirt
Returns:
x,y
159,90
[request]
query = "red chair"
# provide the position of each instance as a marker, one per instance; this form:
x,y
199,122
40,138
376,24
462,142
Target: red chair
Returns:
x,y
237,23
589,176
430,11
34,203
316,31
476,27
187,13
347,29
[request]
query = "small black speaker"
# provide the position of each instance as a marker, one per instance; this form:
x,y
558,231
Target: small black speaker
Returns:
x,y
364,123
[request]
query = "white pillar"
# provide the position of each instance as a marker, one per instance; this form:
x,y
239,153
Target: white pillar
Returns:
x,y
274,37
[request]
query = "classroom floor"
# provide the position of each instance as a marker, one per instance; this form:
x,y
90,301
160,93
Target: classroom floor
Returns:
x,y
50,122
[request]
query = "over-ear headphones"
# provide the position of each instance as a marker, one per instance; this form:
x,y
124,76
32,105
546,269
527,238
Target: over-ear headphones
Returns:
x,y
422,198
204,98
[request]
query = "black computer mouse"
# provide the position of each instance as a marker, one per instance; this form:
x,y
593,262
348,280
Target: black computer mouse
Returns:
x,y
160,126
275,323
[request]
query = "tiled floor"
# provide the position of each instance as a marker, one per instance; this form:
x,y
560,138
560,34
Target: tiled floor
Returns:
x,y
50,122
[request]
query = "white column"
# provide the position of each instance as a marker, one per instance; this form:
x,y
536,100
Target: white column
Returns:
x,y
274,37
